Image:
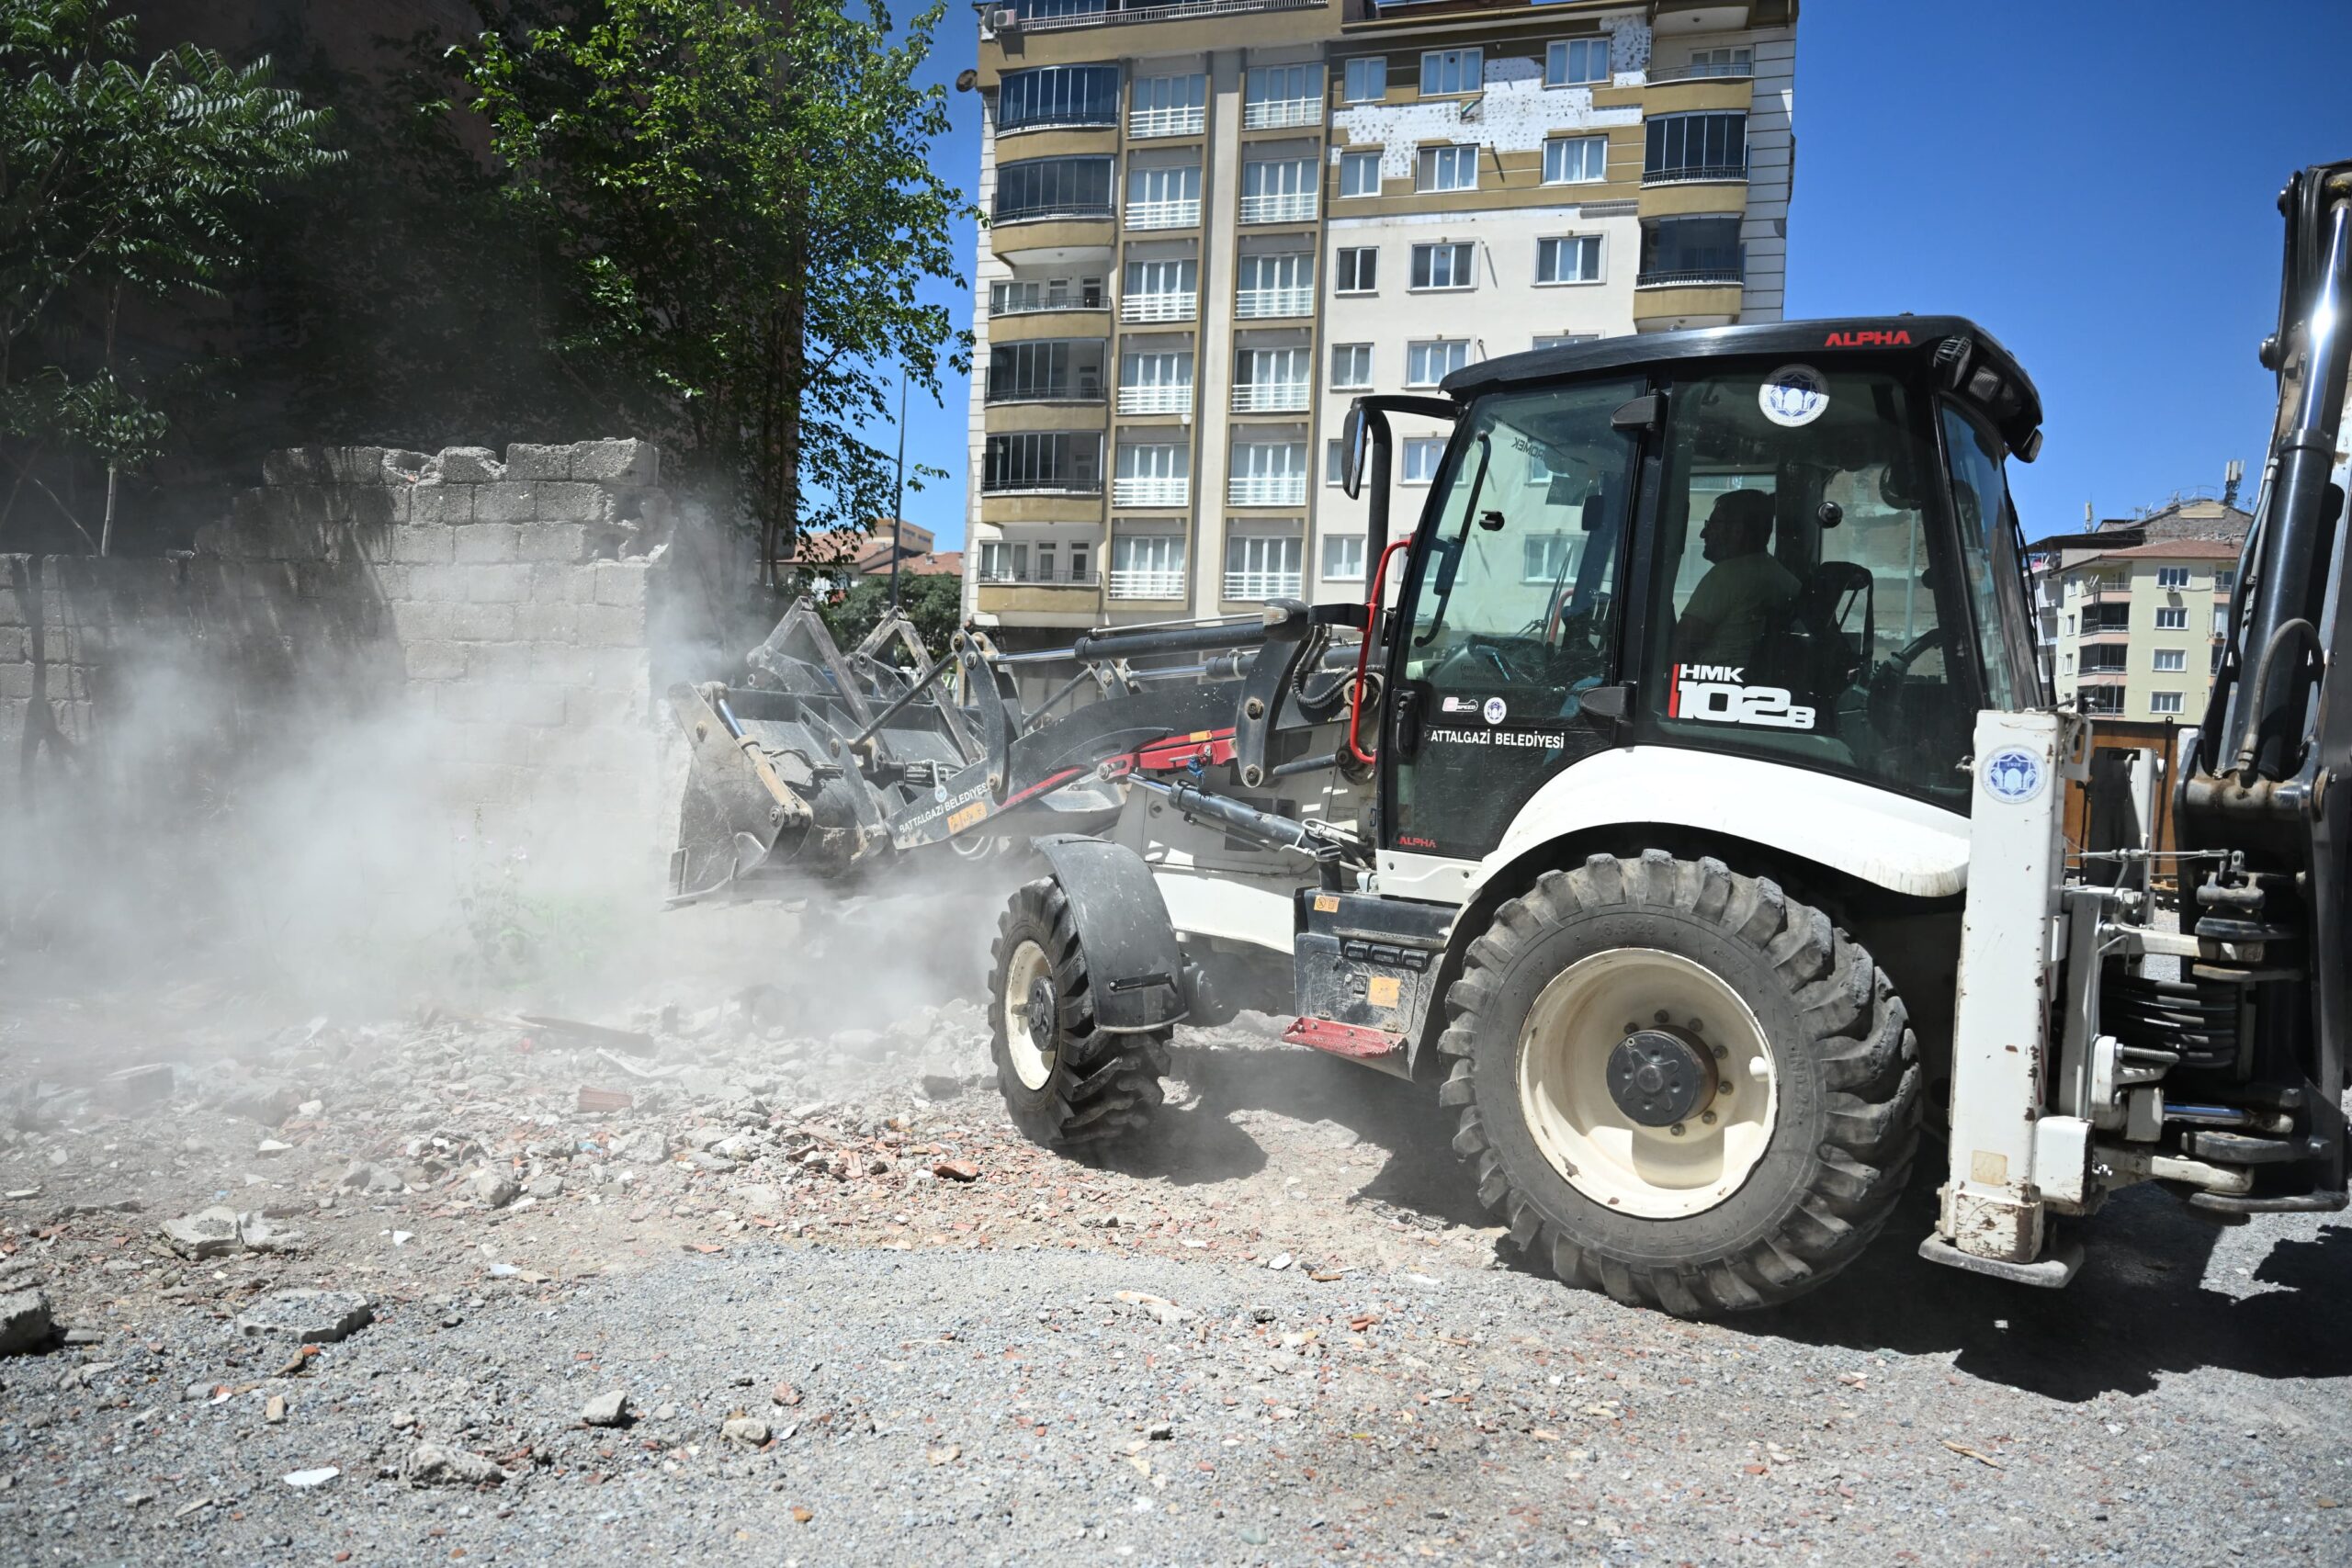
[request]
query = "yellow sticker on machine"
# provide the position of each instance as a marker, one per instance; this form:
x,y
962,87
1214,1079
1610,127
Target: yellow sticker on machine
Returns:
x,y
1326,903
1381,990
959,819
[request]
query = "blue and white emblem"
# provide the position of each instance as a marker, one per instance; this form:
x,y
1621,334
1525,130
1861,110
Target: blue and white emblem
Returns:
x,y
1496,710
2013,773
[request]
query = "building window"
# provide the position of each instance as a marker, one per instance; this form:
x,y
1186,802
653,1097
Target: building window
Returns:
x,y
1282,95
1359,174
1711,145
1262,566
2172,577
1271,380
1447,168
1058,94
1738,62
1052,188
1562,340
1359,271
1351,367
2217,659
1168,197
1451,71
1001,561
1576,160
1419,458
1690,251
2172,618
1152,475
1427,364
2070,626
2109,660
1050,369
1443,266
1275,285
2172,659
1155,381
1168,106
1019,297
2068,663
1572,62
1278,191
2226,580
1147,566
1343,557
1065,461
1573,259
1367,80
2100,699
1545,558
1268,473
1160,292
2163,701
1335,464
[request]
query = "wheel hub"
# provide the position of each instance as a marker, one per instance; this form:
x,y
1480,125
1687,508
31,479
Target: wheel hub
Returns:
x,y
1659,1077
1041,1012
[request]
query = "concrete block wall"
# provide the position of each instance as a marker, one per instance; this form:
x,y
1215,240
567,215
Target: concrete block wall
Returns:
x,y
496,612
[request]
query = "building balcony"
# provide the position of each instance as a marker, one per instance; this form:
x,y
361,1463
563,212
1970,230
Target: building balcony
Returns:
x,y
1036,300
1050,211
1161,307
1696,174
1272,397
1296,206
1700,73
1060,577
1062,392
1256,587
1060,15
1258,304
2106,637
1152,491
1728,277
1144,124
2102,677
1073,484
1266,490
1276,112
1151,583
1164,214
1164,398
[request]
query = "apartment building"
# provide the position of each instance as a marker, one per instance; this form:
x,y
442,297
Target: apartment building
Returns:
x,y
1213,223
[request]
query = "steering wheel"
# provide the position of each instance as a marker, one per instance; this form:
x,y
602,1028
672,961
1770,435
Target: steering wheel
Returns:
x,y
1910,652
1518,660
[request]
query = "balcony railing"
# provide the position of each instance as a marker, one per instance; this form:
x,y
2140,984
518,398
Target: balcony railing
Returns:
x,y
1271,397
1035,304
1696,174
2103,677
1154,492
1067,209
1295,207
1086,392
1187,121
1064,578
1273,112
1055,16
1166,306
1255,304
1182,214
1166,397
1693,277
1033,484
1153,583
1262,585
1266,490
1701,71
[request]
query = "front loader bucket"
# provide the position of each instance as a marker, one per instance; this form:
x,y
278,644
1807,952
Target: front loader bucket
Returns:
x,y
737,811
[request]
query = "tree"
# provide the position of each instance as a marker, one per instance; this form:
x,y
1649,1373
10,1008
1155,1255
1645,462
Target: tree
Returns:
x,y
117,184
934,603
743,197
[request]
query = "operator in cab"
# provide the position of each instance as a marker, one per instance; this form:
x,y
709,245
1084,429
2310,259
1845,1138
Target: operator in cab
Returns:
x,y
1744,593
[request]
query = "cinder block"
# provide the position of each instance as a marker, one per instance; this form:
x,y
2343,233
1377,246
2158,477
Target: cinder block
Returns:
x,y
16,644
630,462
611,625
433,660
294,466
621,583
526,461
441,505
588,706
487,541
440,584
412,545
497,584
16,680
389,582
470,466
559,665
482,622
505,662
545,623
618,667
574,500
565,542
508,501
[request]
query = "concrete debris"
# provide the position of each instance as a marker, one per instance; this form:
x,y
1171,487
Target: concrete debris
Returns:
x,y
635,1041
604,1100
606,1410
957,1170
137,1088
307,1316
430,1464
211,1233
25,1323
269,1104
368,1177
748,1430
491,1188
304,1480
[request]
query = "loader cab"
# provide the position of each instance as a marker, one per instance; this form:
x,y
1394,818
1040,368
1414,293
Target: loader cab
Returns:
x,y
1792,541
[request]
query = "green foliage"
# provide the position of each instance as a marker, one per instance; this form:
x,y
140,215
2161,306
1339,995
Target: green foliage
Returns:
x,y
116,180
934,604
743,200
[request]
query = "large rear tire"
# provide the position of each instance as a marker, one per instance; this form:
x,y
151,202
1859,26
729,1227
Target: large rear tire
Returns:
x,y
1067,1083
1679,1086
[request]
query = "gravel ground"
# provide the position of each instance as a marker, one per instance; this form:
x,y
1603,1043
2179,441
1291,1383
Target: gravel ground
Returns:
x,y
1281,1329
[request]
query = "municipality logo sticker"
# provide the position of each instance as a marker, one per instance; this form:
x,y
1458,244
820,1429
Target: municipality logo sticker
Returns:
x,y
1495,710
2013,775
1793,395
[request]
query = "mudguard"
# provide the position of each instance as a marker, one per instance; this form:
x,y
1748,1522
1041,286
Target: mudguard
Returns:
x,y
1133,961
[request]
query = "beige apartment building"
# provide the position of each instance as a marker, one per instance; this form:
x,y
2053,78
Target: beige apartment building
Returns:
x,y
1213,223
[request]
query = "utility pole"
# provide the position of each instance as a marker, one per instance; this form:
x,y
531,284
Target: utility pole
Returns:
x,y
899,507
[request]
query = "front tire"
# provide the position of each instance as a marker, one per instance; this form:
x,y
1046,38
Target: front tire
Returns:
x,y
1679,1086
1067,1083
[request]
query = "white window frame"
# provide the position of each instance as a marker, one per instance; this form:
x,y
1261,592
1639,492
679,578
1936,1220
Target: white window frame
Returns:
x,y
1364,71
1559,71
1353,167
1463,264
1286,190
1544,557
1465,67
1273,95
1357,375
2170,660
1340,267
1418,458
1004,561
1168,106
2171,618
1731,59
1455,352
1451,156
2172,577
2167,701
1163,573
1350,566
1257,558
1555,159
1551,246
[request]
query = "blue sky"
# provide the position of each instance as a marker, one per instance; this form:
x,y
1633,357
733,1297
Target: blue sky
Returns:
x,y
2094,183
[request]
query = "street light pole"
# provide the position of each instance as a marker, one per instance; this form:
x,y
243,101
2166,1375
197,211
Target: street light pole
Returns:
x,y
899,508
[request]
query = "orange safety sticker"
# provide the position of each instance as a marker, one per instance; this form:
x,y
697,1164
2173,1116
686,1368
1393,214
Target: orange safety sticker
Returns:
x,y
1381,990
1326,903
963,817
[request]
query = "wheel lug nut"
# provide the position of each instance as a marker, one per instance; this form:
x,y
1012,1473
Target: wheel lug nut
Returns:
x,y
1661,1016
1633,1028
1696,1027
1708,1117
1720,1050
1676,1129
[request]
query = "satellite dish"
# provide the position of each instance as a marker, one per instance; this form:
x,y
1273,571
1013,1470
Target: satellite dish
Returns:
x,y
966,79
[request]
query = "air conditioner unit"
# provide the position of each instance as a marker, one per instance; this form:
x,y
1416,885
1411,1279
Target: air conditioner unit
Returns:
x,y
1004,21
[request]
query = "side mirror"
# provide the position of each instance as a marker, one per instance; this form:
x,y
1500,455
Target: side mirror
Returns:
x,y
1355,443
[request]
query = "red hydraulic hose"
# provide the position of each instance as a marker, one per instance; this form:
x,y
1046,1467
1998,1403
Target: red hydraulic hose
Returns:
x,y
1364,654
